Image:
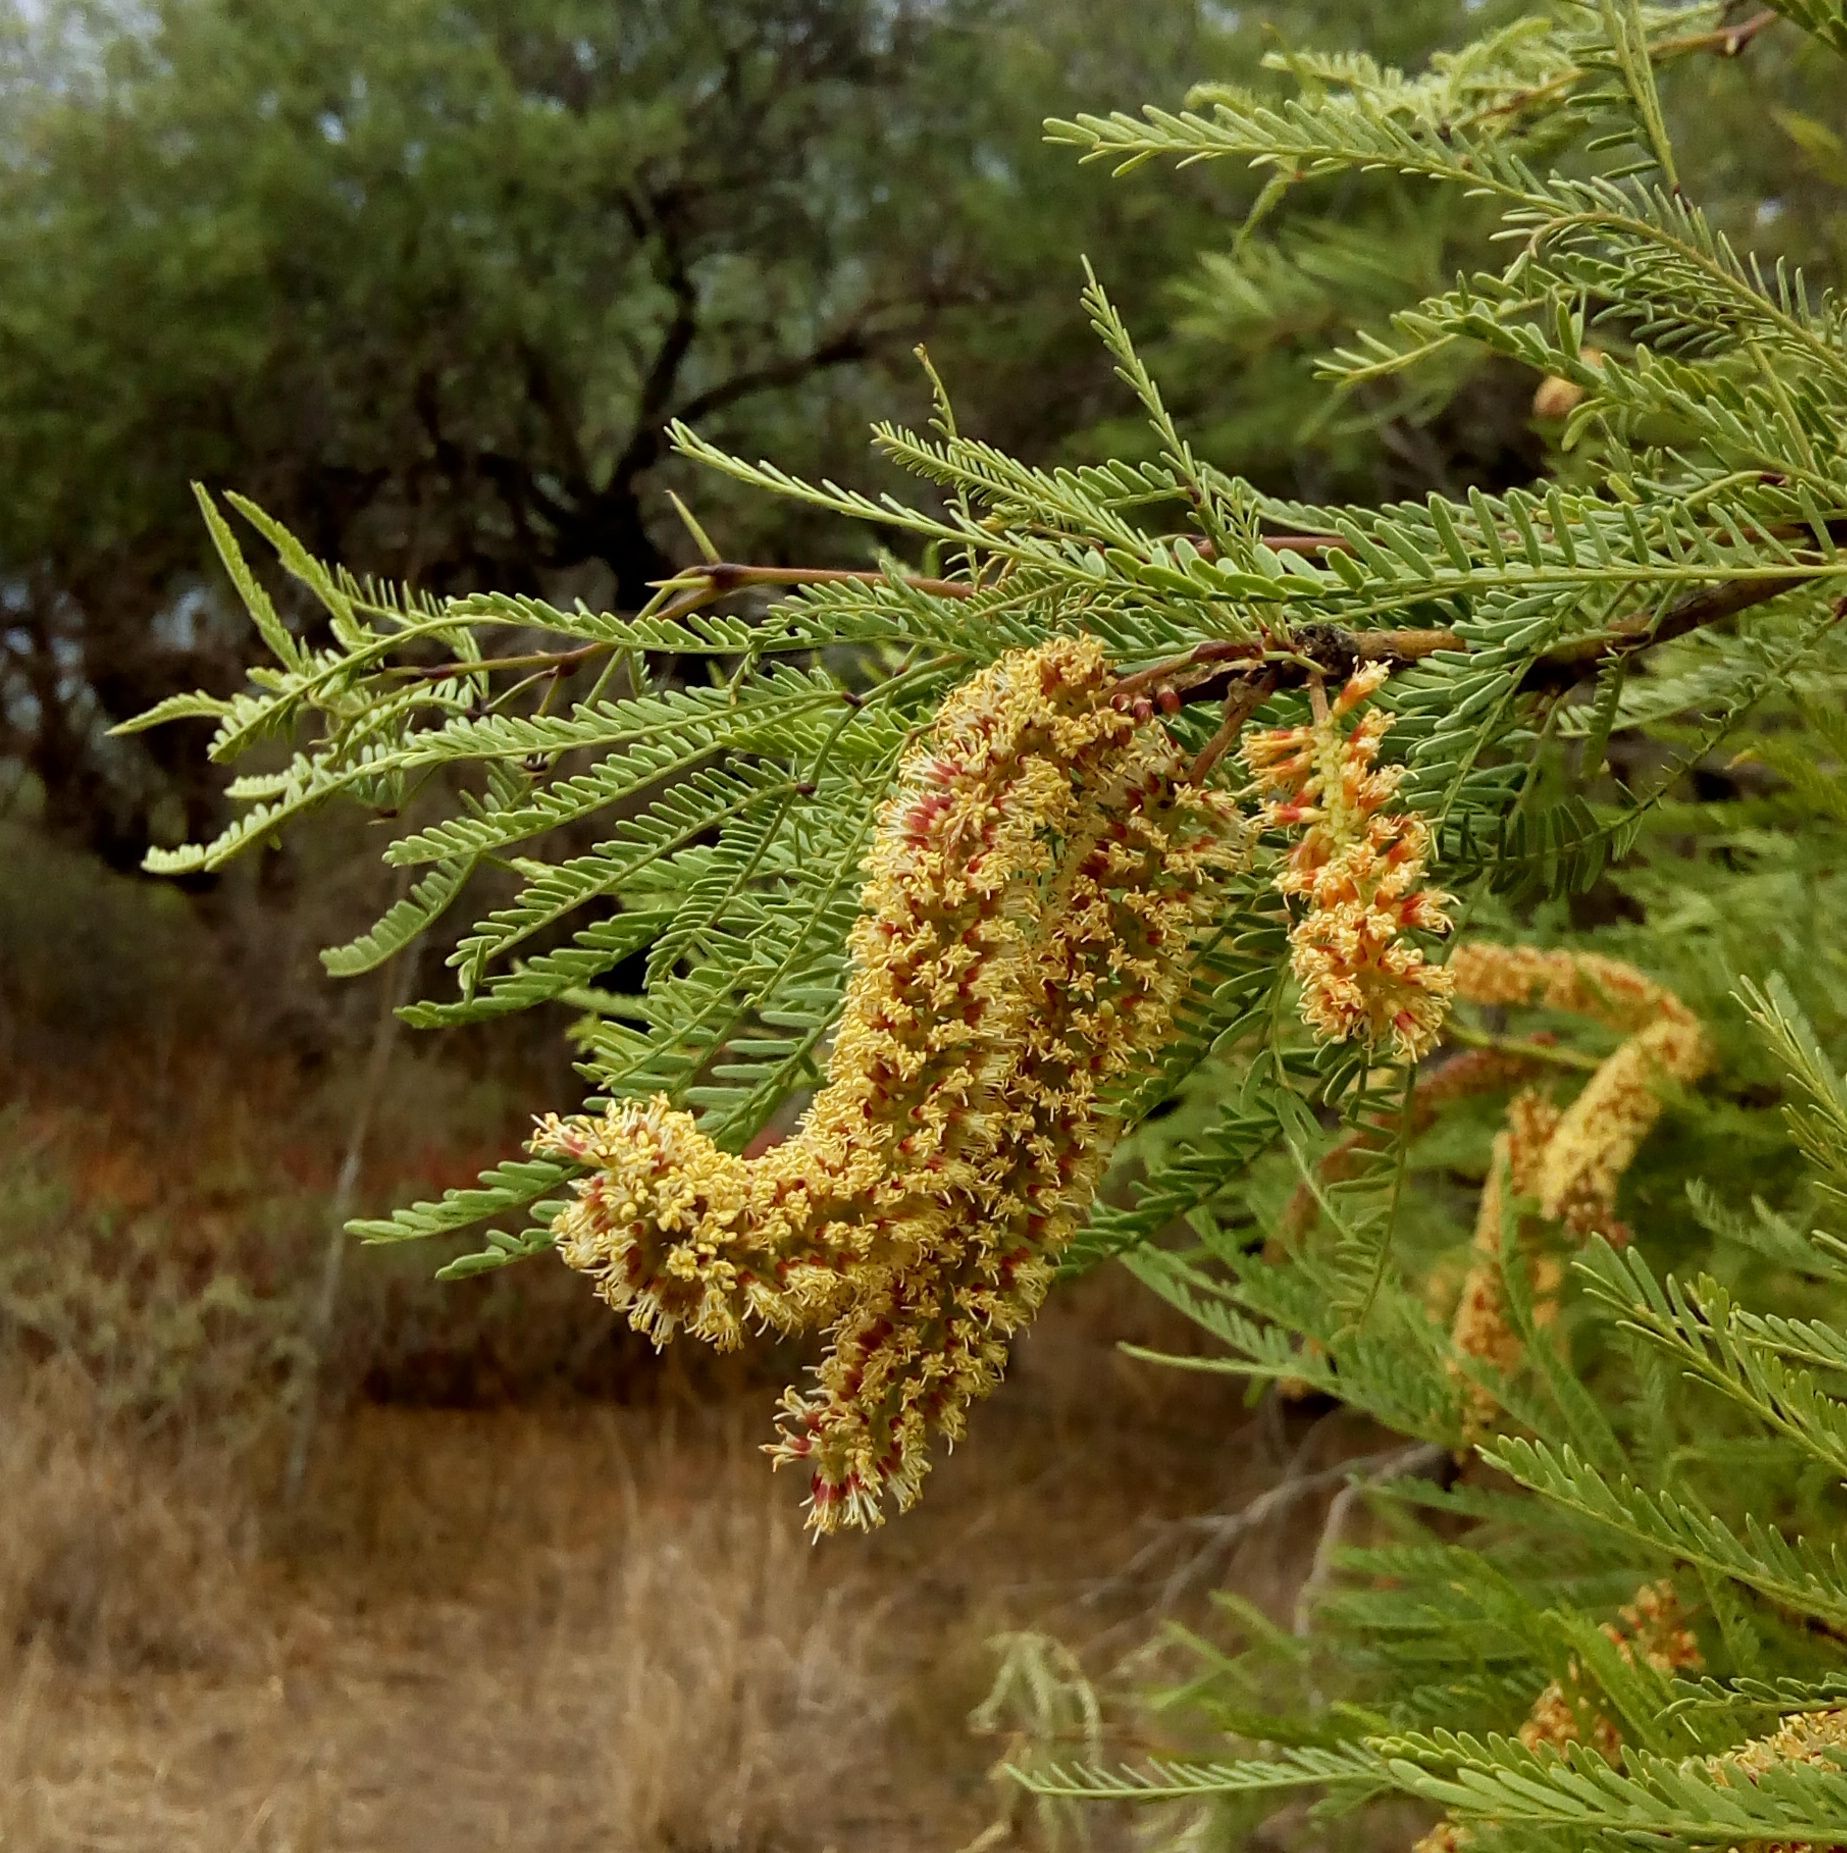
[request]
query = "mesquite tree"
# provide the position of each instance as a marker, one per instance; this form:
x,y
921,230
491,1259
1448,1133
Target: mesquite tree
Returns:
x,y
1390,931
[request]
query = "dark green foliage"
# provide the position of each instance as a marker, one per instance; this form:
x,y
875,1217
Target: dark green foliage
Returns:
x,y
429,281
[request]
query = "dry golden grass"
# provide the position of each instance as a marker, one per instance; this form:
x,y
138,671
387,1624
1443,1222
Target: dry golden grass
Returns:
x,y
495,1631
583,1628
541,1591
505,1617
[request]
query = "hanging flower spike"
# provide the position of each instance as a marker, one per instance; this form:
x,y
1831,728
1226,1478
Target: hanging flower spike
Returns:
x,y
1481,1329
1602,1130
1108,972
1570,1163
1599,1134
1650,1628
677,1233
1358,868
1580,984
1033,892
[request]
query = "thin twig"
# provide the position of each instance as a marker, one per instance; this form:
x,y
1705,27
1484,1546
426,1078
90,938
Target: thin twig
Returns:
x,y
1240,705
392,992
1224,1530
1214,670
1322,648
1586,656
1725,41
1419,1458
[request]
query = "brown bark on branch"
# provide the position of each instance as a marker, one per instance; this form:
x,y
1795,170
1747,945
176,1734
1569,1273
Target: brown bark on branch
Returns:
x,y
1213,671
1332,649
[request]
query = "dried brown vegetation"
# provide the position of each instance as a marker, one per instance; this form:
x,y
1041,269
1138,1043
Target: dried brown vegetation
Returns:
x,y
516,1606
539,1590
582,1626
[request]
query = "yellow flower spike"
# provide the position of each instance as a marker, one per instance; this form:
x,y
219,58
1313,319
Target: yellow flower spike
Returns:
x,y
1481,1329
1032,895
1359,867
1573,1162
1602,1130
1652,1629
927,1340
1581,984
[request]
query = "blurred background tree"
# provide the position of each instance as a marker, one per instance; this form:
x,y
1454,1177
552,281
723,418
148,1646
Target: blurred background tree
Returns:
x,y
427,278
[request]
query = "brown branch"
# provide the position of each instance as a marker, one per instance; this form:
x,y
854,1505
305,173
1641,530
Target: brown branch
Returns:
x,y
1332,649
1222,667
1212,671
1240,705
1725,41
1585,656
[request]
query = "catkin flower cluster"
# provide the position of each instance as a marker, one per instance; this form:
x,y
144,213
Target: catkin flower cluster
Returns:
x,y
1482,1329
1803,1738
1357,867
1650,1630
1570,1161
1035,884
1598,1135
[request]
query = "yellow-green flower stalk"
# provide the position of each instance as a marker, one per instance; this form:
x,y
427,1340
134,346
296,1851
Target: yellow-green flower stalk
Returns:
x,y
1601,1131
1598,1135
1651,1628
1032,895
1481,1329
1580,984
1358,868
